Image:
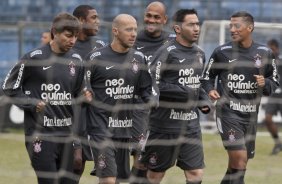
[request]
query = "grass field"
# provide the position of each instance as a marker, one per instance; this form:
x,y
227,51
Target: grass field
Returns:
x,y
263,169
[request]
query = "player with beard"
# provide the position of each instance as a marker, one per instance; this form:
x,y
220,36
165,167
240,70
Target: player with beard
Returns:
x,y
174,128
86,42
246,70
117,73
45,84
148,41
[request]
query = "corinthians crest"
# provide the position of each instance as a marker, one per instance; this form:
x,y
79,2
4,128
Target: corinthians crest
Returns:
x,y
257,60
135,65
231,135
72,68
102,162
37,145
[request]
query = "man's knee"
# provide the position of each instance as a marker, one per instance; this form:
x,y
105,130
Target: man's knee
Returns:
x,y
194,176
155,177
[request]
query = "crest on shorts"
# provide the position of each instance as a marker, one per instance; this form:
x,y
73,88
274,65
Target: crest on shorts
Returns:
x,y
153,159
231,135
141,141
37,145
72,68
102,162
257,60
135,66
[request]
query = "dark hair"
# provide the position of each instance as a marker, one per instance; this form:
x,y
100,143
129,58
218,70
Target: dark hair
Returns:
x,y
65,21
273,42
247,17
82,11
179,16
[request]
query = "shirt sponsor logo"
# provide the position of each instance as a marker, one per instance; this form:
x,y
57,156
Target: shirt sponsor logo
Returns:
x,y
51,93
120,123
170,48
230,61
18,81
57,122
158,71
46,67
243,107
237,85
226,47
77,56
109,67
36,52
180,115
116,89
92,56
181,60
187,78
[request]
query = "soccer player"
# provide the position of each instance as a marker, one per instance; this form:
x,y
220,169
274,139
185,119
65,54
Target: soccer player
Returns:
x,y
175,133
148,41
117,73
85,43
246,70
45,37
274,104
45,84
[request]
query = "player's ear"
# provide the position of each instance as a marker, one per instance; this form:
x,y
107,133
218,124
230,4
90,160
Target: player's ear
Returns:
x,y
165,19
250,28
115,31
176,28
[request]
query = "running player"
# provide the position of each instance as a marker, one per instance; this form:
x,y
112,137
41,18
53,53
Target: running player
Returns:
x,y
148,40
246,70
274,105
177,67
117,73
86,42
45,84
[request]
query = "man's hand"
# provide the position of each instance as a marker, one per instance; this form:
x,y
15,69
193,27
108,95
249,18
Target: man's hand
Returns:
x,y
40,106
205,109
88,95
260,80
214,95
77,162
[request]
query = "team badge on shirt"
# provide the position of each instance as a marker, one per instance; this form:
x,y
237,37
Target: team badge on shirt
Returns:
x,y
257,59
102,162
72,68
231,135
200,57
153,159
37,145
135,66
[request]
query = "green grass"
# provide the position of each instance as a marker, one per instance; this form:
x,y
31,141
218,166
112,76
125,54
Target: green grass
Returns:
x,y
15,166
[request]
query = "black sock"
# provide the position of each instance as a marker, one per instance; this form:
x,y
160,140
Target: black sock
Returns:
x,y
195,182
140,175
226,178
237,176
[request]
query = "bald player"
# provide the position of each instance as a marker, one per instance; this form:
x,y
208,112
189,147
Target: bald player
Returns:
x,y
148,41
116,74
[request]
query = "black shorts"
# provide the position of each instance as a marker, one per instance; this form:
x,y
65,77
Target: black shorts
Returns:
x,y
140,123
163,150
48,156
87,154
237,135
111,157
273,106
